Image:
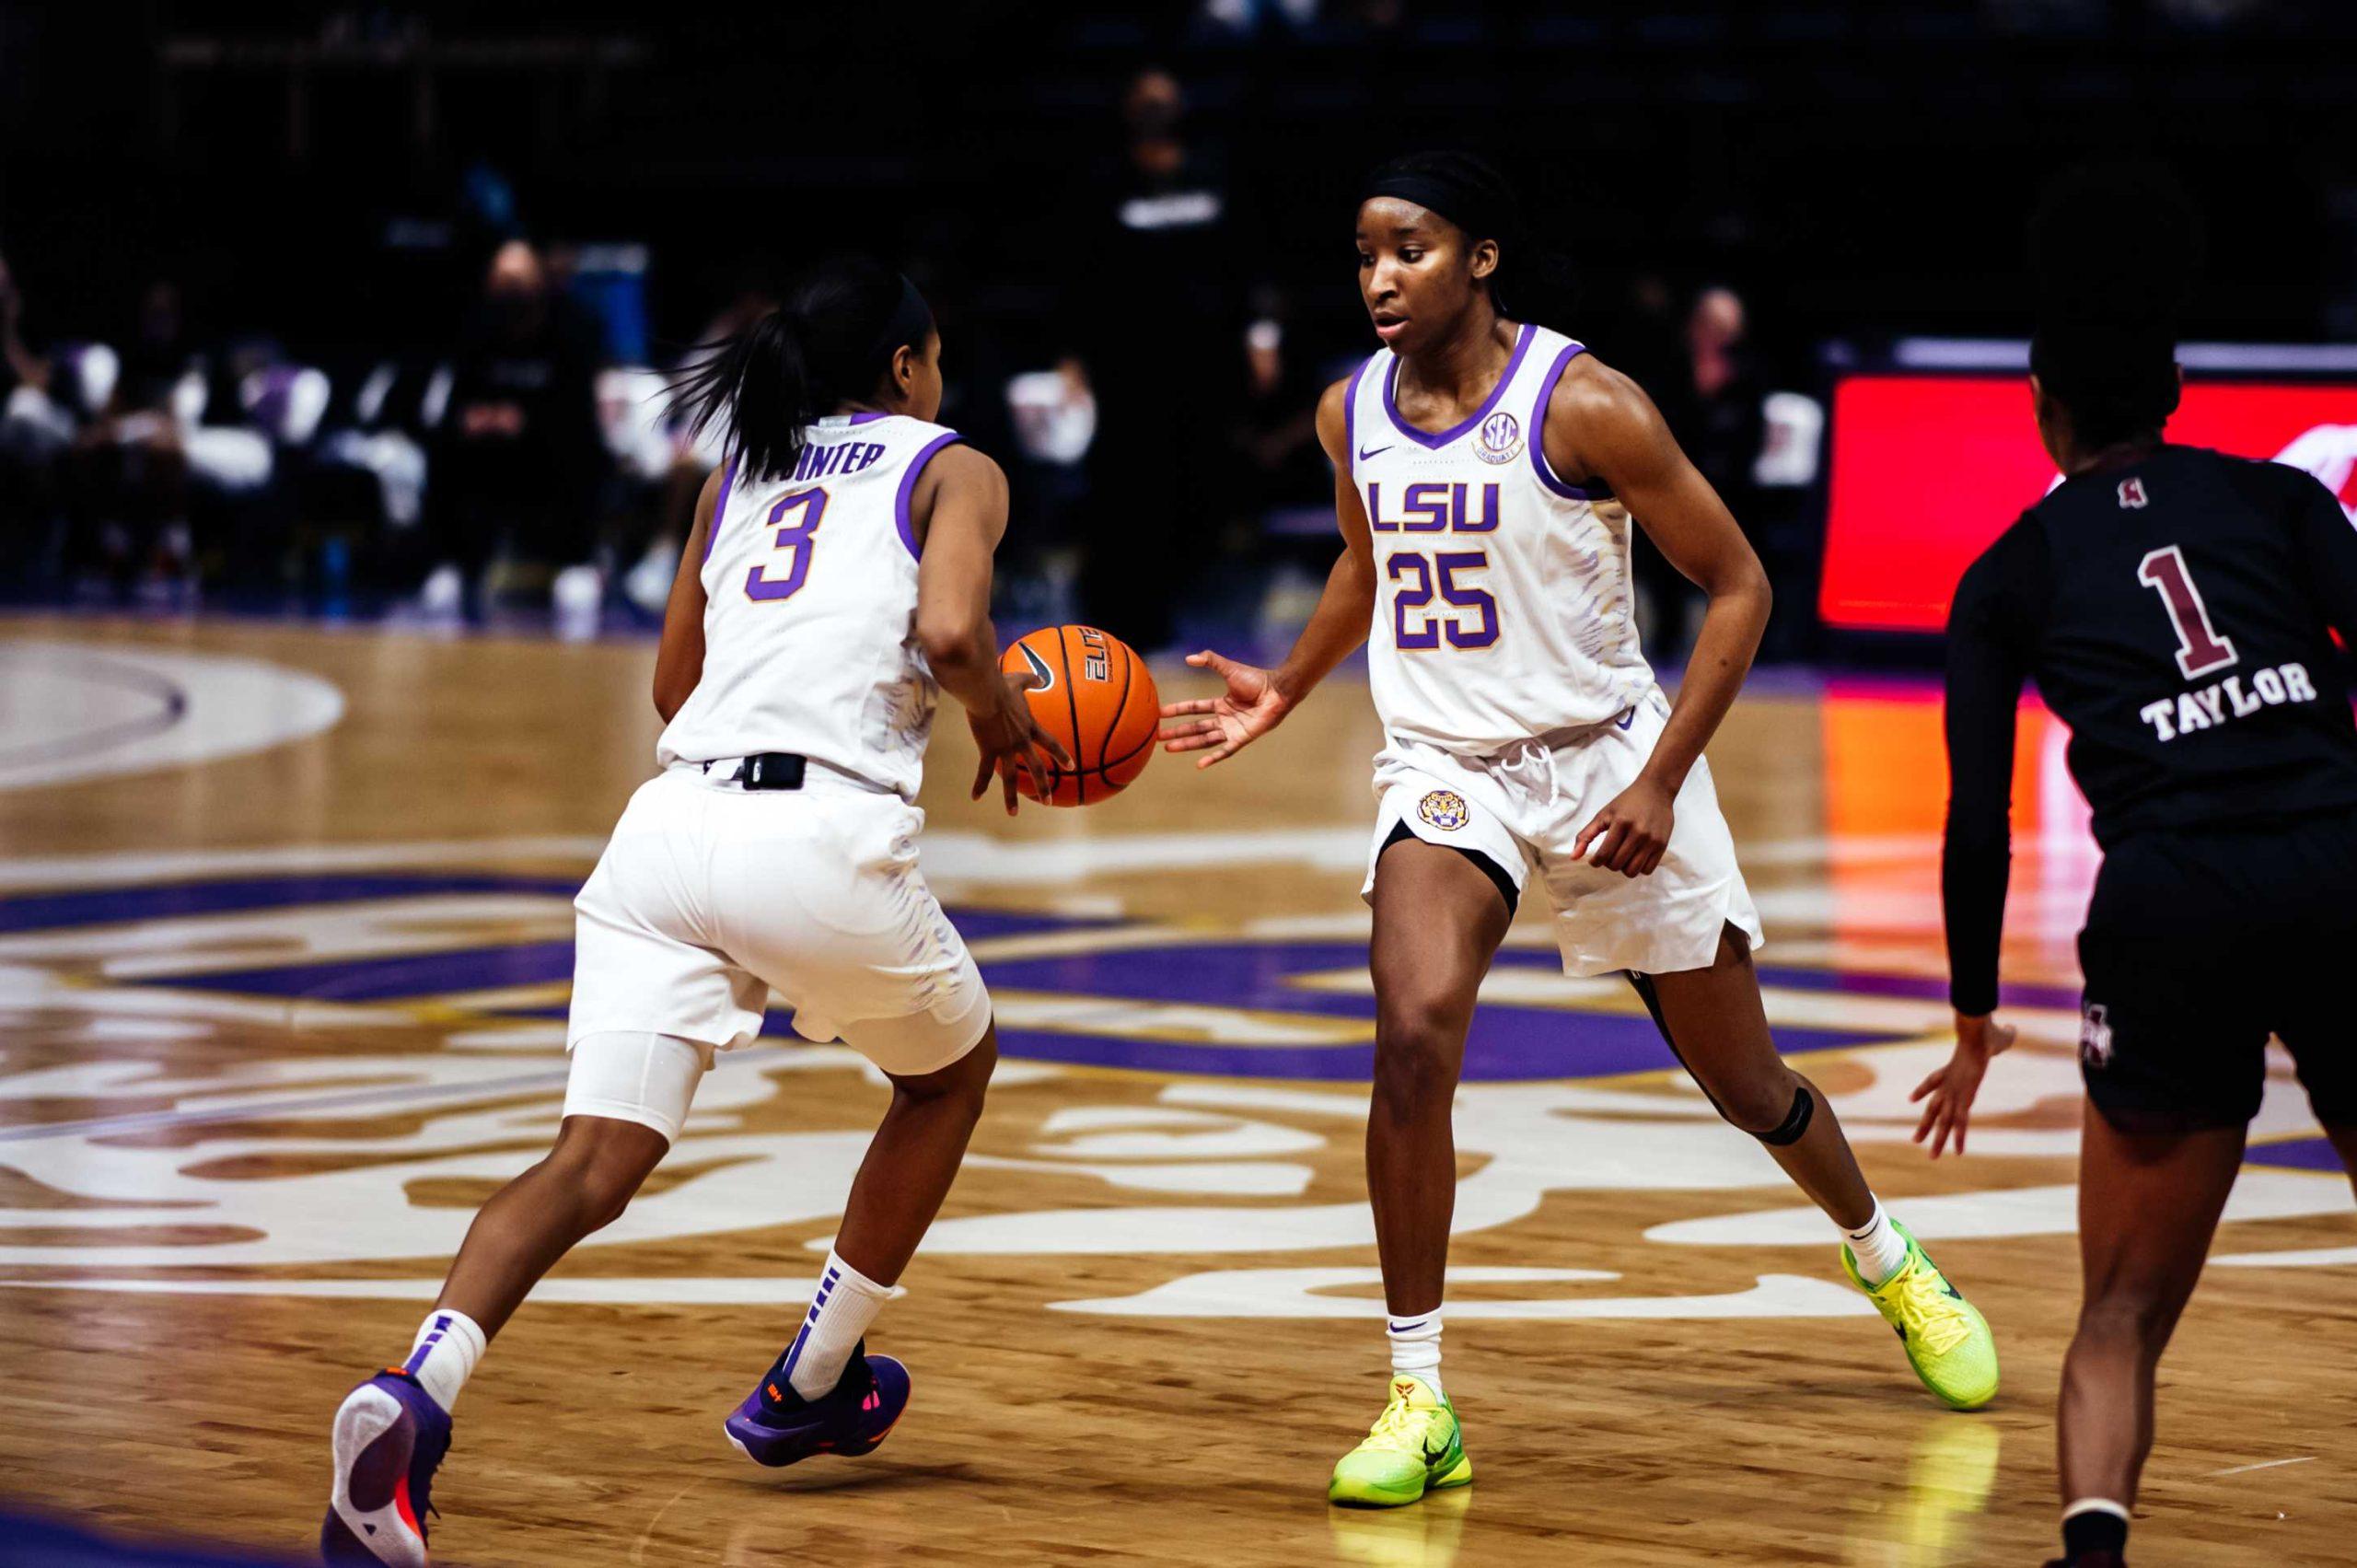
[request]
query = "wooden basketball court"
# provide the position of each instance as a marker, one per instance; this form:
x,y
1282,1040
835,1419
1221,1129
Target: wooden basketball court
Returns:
x,y
285,944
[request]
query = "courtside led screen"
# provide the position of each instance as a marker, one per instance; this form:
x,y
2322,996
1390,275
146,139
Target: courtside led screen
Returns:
x,y
1928,470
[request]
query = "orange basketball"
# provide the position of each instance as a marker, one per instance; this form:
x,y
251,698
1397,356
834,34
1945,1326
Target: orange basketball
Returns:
x,y
1096,696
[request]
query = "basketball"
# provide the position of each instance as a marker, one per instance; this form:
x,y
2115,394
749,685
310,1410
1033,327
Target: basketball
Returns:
x,y
1096,696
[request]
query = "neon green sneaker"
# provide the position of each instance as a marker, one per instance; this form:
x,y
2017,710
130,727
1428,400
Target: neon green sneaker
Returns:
x,y
1947,1341
1414,1447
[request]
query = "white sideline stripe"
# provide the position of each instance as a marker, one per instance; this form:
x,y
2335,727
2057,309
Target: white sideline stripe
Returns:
x,y
655,1291
2265,1465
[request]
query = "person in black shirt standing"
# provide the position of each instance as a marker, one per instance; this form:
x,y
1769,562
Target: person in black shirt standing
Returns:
x,y
2176,607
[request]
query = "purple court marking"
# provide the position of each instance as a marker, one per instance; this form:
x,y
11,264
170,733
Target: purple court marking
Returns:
x,y
2295,1153
908,487
107,906
1538,426
720,505
386,980
1505,379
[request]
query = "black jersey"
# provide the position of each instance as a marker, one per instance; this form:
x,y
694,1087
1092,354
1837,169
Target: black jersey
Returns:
x,y
2176,611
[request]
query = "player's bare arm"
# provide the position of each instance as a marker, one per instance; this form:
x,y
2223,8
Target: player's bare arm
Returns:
x,y
1601,422
679,658
1256,699
959,512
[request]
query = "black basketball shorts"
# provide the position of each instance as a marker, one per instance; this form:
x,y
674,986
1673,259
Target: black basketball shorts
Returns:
x,y
2199,944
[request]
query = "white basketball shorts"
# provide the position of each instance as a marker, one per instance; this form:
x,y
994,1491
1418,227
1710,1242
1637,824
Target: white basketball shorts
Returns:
x,y
709,898
1524,809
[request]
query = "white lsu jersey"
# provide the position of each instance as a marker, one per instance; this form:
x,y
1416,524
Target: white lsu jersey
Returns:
x,y
810,598
1503,607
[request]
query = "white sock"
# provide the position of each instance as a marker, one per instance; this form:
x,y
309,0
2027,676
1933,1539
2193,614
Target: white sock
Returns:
x,y
1415,1346
449,1344
846,1304
1878,1247
2095,1505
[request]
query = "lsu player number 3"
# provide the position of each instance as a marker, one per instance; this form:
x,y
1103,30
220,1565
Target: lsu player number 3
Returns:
x,y
836,579
1487,471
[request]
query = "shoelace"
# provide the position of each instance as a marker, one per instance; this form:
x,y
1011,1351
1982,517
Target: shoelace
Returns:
x,y
1396,1427
1944,1325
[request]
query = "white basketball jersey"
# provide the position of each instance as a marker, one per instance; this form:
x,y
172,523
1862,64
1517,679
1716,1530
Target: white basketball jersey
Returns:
x,y
810,600
1503,606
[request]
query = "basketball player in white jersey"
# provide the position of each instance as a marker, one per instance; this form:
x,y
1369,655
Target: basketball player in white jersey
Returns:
x,y
838,574
1487,471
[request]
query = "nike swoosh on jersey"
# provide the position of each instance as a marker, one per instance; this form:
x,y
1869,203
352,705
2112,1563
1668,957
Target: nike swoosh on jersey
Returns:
x,y
1366,452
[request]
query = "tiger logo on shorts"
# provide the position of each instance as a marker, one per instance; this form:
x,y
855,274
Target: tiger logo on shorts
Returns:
x,y
1445,809
2094,1035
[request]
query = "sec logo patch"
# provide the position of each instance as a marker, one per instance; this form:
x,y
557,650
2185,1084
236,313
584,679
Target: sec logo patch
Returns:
x,y
1445,809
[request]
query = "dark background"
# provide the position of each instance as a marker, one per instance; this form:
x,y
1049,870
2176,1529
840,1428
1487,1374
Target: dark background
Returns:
x,y
1856,168
332,180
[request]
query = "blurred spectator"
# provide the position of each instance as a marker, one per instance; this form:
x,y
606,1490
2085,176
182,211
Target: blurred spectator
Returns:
x,y
1272,431
1713,408
1160,324
128,488
685,459
1051,416
35,432
518,459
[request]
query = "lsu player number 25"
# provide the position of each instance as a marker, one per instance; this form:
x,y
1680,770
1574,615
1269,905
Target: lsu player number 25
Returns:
x,y
1487,472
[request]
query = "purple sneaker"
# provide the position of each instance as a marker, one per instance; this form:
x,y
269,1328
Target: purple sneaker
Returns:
x,y
389,1439
777,1426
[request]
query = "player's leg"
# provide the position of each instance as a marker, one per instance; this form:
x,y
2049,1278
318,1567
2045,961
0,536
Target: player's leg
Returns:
x,y
1714,1022
2148,1204
889,974
627,1097
825,1394
1439,916
1438,921
647,991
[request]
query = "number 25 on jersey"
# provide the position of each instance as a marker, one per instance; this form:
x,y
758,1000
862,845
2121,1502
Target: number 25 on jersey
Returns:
x,y
1416,626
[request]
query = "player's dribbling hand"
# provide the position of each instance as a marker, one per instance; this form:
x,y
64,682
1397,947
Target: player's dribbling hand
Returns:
x,y
1952,1088
1634,828
1225,725
1009,738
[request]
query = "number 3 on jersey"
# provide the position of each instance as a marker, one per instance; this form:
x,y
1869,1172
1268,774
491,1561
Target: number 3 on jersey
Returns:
x,y
2199,648
793,542
1413,600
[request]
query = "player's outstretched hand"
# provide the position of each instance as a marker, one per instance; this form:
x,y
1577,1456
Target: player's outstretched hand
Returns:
x,y
1225,725
1633,829
1009,738
1952,1088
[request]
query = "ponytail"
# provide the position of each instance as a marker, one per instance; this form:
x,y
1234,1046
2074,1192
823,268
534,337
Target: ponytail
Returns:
x,y
759,383
833,341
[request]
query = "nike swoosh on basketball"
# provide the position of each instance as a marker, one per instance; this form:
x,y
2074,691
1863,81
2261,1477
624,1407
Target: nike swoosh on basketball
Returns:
x,y
1366,452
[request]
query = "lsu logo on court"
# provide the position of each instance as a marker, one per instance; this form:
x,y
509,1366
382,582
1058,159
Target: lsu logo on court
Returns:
x,y
1500,439
1445,809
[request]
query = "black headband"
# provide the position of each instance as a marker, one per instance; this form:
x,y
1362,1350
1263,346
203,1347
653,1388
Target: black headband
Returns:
x,y
1480,217
909,321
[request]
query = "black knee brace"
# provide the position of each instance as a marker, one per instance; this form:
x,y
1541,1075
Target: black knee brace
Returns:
x,y
1795,1120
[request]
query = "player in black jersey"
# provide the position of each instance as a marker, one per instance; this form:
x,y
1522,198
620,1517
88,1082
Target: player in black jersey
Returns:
x,y
2175,607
